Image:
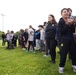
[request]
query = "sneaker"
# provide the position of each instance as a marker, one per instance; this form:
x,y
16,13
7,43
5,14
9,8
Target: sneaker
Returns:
x,y
45,55
34,52
23,48
52,61
27,51
74,68
61,69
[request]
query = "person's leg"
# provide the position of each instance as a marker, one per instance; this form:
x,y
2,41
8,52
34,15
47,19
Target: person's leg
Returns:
x,y
36,44
53,44
73,52
2,42
32,44
46,48
65,44
29,44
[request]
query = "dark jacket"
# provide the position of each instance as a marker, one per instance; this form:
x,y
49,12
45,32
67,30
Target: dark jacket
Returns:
x,y
65,30
50,31
37,34
26,36
3,36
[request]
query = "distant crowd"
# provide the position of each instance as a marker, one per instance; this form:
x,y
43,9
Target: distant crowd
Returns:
x,y
48,36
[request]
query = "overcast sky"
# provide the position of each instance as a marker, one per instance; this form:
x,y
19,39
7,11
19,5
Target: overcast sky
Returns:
x,y
22,13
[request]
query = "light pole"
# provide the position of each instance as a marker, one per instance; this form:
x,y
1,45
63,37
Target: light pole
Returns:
x,y
2,22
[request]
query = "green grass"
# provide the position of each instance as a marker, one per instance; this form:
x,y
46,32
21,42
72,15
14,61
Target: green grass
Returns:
x,y
18,62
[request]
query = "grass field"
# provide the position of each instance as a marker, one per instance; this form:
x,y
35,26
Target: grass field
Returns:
x,y
18,62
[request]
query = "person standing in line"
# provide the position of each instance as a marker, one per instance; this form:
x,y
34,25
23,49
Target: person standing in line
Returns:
x,y
37,38
42,38
71,17
22,39
26,37
8,38
15,40
3,39
30,38
50,33
66,29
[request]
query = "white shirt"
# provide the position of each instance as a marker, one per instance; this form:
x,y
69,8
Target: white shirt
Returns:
x,y
31,34
42,34
11,36
8,37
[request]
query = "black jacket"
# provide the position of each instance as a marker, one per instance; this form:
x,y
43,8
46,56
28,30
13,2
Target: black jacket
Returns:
x,y
66,30
50,31
26,35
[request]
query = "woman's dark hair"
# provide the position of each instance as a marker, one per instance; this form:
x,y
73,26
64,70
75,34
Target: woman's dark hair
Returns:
x,y
53,21
69,9
63,10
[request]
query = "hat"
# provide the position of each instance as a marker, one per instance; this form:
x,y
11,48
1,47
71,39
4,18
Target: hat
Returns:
x,y
40,26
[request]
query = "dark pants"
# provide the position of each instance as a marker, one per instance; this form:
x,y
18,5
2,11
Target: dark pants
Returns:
x,y
15,43
46,49
31,43
8,43
51,44
42,45
67,45
23,44
3,42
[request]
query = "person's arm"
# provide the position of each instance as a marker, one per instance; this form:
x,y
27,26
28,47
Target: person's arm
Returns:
x,y
72,28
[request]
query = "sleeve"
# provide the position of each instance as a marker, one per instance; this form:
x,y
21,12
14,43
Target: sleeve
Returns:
x,y
72,28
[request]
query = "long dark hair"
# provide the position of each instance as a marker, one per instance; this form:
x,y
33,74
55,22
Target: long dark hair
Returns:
x,y
53,21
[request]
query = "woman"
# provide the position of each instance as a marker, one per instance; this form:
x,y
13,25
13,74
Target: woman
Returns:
x,y
66,30
50,33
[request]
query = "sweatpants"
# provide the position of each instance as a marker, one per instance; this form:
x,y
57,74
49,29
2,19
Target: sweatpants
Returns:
x,y
51,44
67,45
30,43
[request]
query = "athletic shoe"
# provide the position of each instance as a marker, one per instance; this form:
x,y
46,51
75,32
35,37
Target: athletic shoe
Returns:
x,y
52,61
61,69
74,68
45,55
23,48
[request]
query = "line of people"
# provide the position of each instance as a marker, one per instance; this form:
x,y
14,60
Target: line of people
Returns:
x,y
48,37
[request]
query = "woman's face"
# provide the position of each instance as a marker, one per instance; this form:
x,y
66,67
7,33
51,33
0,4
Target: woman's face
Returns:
x,y
65,14
50,18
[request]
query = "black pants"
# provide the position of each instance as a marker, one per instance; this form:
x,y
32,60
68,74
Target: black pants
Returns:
x,y
67,45
46,49
3,42
8,43
51,44
15,43
31,43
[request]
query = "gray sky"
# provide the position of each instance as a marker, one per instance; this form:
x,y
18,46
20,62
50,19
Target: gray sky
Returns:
x,y
21,13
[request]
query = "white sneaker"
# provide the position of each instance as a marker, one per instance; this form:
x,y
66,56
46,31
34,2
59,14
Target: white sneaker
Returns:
x,y
45,55
61,69
23,48
33,51
74,68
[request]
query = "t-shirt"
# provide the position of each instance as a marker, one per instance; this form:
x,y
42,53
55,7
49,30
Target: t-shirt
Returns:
x,y
11,35
42,35
31,34
8,37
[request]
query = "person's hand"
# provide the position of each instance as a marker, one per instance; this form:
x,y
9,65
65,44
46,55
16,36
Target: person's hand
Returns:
x,y
69,21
